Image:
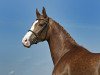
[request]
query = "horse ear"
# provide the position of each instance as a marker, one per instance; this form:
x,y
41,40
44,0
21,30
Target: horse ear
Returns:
x,y
37,13
44,12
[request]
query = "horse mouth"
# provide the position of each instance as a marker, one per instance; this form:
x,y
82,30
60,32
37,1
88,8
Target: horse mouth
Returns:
x,y
26,43
26,46
29,45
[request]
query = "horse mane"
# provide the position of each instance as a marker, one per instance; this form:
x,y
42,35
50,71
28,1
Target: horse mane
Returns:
x,y
68,36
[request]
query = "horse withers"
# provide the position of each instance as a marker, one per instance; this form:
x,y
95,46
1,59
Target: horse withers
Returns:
x,y
69,58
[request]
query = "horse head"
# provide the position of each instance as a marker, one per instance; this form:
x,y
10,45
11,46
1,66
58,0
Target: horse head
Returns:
x,y
38,30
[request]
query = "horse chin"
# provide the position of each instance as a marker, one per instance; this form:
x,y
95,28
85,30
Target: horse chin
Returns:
x,y
27,46
35,41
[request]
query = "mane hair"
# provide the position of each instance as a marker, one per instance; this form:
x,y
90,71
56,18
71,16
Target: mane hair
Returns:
x,y
68,36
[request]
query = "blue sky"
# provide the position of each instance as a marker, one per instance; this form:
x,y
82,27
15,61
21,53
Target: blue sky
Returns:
x,y
81,18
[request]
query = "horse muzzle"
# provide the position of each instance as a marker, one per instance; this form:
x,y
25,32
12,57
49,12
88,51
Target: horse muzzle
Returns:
x,y
26,43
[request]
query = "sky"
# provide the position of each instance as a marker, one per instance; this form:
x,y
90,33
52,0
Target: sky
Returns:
x,y
81,18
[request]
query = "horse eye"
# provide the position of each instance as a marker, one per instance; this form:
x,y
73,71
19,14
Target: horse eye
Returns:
x,y
40,24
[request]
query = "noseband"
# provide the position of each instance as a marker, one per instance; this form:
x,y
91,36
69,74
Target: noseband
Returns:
x,y
41,30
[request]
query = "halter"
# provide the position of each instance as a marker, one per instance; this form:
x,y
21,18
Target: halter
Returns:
x,y
41,30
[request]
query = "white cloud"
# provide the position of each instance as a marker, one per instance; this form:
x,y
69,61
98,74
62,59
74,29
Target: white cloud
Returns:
x,y
12,72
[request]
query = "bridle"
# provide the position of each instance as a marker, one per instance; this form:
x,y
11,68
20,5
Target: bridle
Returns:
x,y
40,31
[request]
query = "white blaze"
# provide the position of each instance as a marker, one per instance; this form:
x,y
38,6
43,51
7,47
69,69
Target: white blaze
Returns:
x,y
32,28
26,38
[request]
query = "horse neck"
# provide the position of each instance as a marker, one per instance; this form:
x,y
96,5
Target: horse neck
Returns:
x,y
59,41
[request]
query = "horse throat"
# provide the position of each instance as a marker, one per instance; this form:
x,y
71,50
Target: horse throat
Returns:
x,y
59,41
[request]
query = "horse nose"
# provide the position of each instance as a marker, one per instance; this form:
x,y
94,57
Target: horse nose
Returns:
x,y
26,42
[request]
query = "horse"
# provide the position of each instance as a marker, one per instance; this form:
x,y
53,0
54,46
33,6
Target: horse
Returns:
x,y
69,58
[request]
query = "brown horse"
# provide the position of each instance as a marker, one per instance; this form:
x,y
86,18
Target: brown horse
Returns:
x,y
68,57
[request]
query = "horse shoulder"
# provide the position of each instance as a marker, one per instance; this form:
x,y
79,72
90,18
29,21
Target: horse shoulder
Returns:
x,y
62,67
97,58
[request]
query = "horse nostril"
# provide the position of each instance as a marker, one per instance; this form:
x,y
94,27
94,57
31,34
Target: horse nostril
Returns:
x,y
25,40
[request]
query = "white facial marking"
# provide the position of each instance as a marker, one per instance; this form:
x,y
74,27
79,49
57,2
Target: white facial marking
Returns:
x,y
26,38
33,26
